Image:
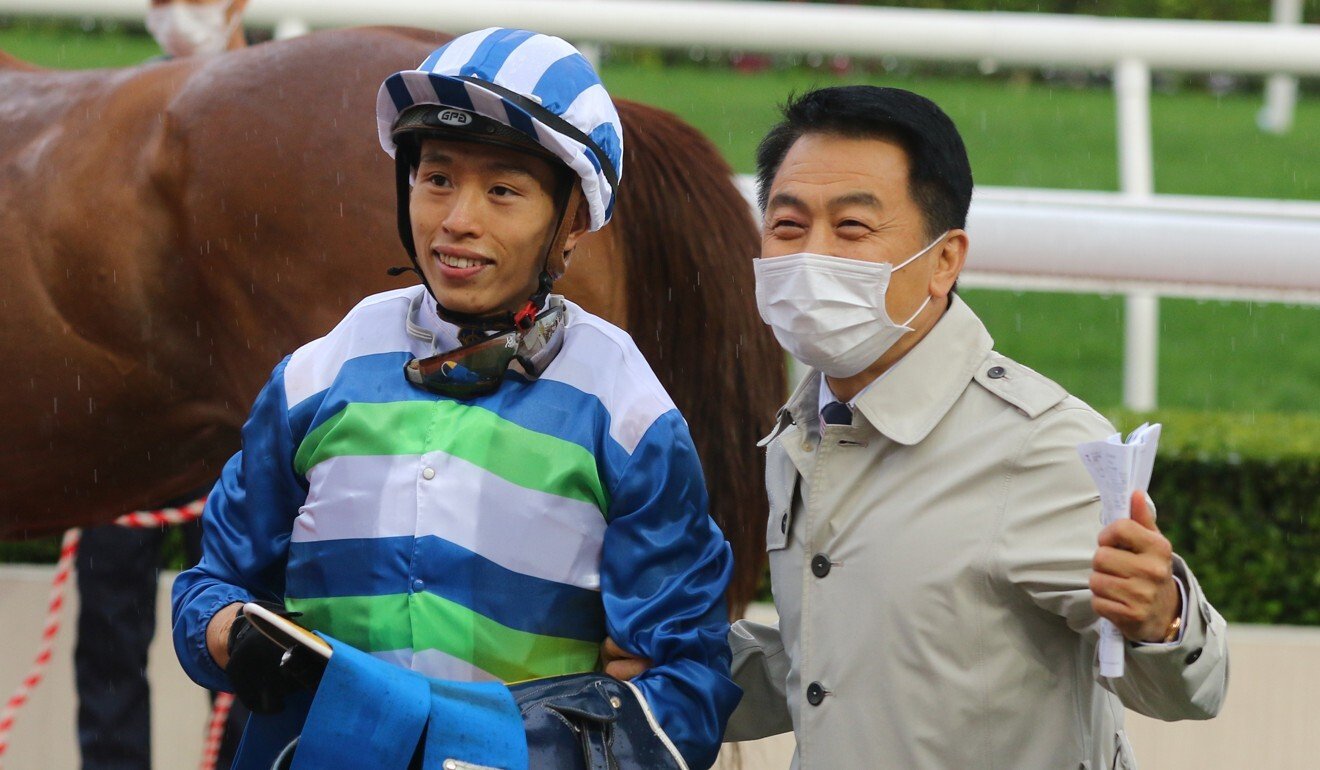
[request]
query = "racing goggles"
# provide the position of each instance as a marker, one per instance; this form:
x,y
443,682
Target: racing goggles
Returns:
x,y
478,369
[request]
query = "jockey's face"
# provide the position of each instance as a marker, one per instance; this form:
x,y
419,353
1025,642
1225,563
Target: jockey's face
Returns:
x,y
482,216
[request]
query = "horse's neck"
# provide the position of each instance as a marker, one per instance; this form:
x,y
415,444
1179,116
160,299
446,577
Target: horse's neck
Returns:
x,y
11,62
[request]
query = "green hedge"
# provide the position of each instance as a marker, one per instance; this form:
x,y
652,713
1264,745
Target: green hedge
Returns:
x,y
1239,498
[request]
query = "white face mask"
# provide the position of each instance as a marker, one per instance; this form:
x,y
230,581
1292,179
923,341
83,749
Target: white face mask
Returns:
x,y
829,312
185,29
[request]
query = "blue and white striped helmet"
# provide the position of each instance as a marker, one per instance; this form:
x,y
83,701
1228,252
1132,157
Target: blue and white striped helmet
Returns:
x,y
537,84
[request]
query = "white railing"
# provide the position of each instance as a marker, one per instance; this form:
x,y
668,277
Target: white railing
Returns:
x,y
1010,38
1130,47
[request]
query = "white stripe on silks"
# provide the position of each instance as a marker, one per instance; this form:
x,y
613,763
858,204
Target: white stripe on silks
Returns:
x,y
562,146
524,530
374,326
529,61
485,102
591,108
596,193
603,184
601,360
435,664
385,115
460,50
420,88
382,502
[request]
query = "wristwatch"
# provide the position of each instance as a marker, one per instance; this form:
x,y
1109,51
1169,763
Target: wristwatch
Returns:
x,y
1171,635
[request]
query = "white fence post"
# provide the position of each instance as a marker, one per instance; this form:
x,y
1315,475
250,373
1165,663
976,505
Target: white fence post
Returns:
x,y
1136,179
1276,116
291,27
1141,348
591,52
1136,166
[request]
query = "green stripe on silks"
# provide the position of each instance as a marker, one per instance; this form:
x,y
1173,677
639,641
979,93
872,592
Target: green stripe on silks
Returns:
x,y
384,623
508,450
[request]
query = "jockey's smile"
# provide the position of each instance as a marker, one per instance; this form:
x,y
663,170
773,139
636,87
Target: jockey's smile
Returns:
x,y
482,216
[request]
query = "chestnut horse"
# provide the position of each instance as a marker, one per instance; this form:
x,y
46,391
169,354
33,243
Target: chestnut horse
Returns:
x,y
169,231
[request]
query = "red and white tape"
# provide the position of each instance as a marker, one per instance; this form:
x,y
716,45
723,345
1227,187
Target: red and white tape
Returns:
x,y
163,517
215,731
54,609
68,547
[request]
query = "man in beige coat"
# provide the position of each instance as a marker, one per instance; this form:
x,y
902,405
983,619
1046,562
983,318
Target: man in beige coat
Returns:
x,y
935,544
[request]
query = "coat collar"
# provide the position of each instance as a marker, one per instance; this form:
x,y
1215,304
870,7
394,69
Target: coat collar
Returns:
x,y
913,396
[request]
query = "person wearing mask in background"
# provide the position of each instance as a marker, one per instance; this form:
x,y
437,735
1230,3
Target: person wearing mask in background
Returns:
x,y
197,27
117,567
936,553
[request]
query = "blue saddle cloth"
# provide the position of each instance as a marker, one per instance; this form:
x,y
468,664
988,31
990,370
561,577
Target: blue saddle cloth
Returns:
x,y
368,713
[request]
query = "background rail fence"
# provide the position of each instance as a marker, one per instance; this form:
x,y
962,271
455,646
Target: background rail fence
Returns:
x,y
1135,242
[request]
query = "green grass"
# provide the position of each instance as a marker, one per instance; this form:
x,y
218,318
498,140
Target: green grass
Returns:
x,y
1214,356
56,45
1020,134
1220,356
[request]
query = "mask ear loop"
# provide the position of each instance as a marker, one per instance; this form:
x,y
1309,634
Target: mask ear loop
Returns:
x,y
907,324
921,253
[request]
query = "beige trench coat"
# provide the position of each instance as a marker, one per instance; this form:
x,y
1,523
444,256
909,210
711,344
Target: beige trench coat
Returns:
x,y
930,566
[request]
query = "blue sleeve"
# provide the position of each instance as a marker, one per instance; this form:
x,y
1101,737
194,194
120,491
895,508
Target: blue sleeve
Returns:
x,y
245,532
664,568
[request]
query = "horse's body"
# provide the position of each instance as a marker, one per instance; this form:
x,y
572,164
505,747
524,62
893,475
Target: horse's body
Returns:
x,y
169,231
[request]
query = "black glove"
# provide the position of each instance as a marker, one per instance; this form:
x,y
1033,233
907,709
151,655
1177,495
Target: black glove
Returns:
x,y
261,671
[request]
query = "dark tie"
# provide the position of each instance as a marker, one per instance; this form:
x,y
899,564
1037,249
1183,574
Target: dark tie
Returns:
x,y
836,413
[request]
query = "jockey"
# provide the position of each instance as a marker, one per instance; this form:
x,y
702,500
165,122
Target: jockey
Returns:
x,y
475,478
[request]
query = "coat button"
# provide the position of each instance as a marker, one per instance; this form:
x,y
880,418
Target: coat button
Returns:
x,y
820,565
816,693
783,524
428,473
995,373
418,585
1192,657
